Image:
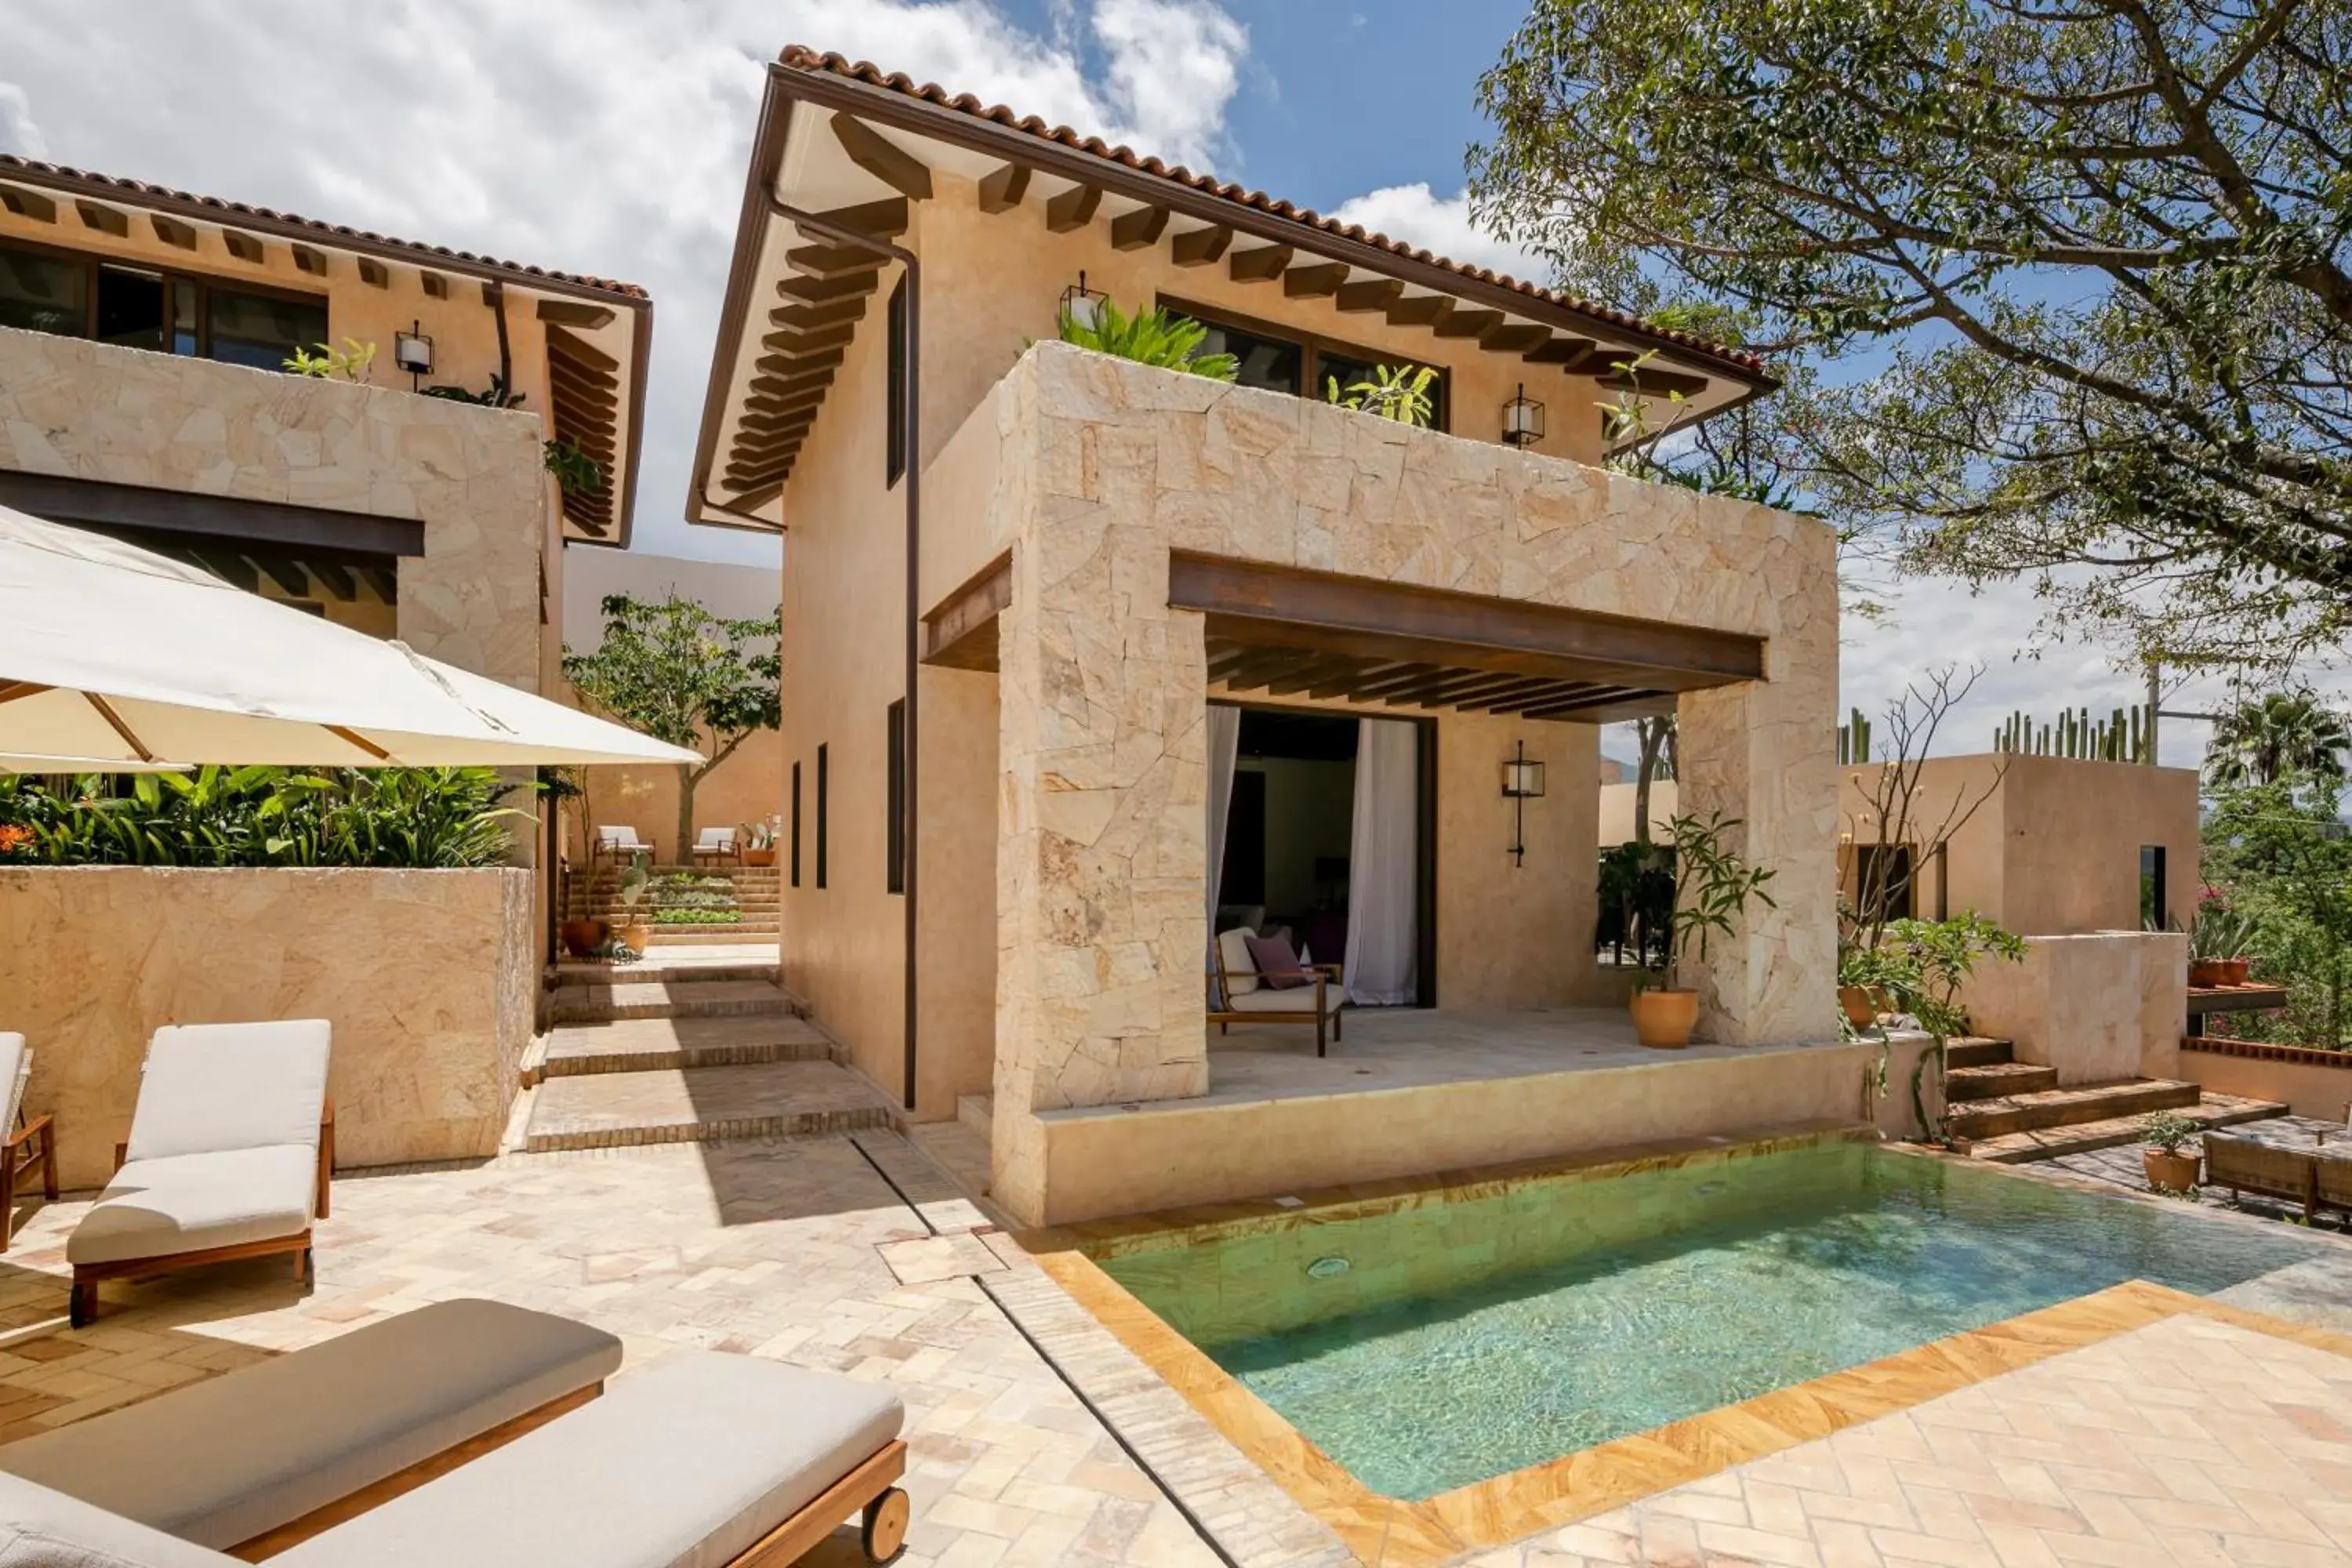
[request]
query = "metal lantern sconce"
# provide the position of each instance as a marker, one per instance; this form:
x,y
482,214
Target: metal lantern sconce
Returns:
x,y
412,351
1082,304
1523,781
1523,419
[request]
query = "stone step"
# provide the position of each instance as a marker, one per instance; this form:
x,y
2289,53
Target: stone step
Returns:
x,y
1985,1118
648,1045
751,933
977,1111
1975,1051
1995,1079
2081,1137
702,1105
577,1004
681,964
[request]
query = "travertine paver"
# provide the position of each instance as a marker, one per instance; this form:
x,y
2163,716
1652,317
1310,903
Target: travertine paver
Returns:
x,y
630,1045
2188,1442
670,1105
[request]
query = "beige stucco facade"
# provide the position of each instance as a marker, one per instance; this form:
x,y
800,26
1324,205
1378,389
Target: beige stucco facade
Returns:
x,y
2313,1083
426,978
2097,1006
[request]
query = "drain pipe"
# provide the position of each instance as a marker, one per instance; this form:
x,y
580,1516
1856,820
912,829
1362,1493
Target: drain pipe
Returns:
x,y
826,229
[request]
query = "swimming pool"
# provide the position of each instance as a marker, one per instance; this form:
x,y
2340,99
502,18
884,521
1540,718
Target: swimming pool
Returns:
x,y
1432,1345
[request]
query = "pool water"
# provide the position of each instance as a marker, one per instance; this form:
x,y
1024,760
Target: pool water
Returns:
x,y
1428,1348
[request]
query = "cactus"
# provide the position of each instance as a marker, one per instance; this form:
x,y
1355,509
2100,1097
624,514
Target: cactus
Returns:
x,y
1853,740
2122,736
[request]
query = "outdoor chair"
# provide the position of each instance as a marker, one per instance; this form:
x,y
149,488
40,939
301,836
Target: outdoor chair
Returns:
x,y
2332,1179
2244,1165
28,1144
704,1460
231,1149
1241,992
715,844
619,842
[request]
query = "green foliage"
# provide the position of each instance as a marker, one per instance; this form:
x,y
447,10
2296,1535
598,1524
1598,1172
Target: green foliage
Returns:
x,y
1712,885
634,879
1853,740
1397,392
494,395
2167,1130
1636,900
576,473
1153,337
446,818
2262,739
678,915
2278,856
1923,965
350,362
2219,931
2098,258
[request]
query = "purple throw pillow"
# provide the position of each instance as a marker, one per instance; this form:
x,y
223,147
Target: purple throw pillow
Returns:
x,y
1277,965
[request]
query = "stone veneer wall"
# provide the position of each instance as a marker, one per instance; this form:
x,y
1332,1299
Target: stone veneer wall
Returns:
x,y
1101,467
426,978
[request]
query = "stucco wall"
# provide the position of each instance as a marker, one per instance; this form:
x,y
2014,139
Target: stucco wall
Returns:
x,y
426,978
2099,1006
1616,824
2317,1084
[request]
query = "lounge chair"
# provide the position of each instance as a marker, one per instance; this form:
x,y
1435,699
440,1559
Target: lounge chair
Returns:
x,y
619,842
715,844
231,1146
706,1459
27,1144
2245,1166
1240,994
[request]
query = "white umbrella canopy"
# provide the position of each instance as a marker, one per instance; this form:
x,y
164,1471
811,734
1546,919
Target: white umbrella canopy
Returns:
x,y
113,655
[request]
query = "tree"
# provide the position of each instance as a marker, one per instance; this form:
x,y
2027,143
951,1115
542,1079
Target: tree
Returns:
x,y
1660,753
683,675
2098,253
2262,739
2286,863
1897,828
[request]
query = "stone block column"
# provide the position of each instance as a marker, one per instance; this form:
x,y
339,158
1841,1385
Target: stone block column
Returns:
x,y
1763,752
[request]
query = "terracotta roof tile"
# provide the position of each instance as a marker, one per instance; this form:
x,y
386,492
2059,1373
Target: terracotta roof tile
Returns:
x,y
229,212
797,56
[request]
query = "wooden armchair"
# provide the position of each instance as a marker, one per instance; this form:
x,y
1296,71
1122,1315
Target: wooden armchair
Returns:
x,y
29,1142
1239,995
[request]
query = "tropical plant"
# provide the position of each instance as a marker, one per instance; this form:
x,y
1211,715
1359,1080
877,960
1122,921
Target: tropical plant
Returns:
x,y
1924,963
576,473
1397,392
2167,1131
1712,887
683,675
2097,256
636,878
761,834
2218,931
350,362
1153,337
494,395
2284,859
2262,739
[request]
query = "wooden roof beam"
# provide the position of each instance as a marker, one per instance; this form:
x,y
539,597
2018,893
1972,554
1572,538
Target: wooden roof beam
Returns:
x,y
1420,310
1199,247
1139,230
1461,323
1373,294
1568,351
1004,188
885,219
882,158
1073,209
1512,337
1314,282
1260,264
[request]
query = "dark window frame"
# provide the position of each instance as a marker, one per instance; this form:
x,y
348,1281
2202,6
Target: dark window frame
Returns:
x,y
794,856
2154,895
1313,346
895,418
92,261
894,876
824,809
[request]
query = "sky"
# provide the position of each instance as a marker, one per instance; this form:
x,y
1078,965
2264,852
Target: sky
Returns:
x,y
610,136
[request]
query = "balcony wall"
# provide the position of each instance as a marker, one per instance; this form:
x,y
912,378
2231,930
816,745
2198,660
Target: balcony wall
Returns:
x,y
471,476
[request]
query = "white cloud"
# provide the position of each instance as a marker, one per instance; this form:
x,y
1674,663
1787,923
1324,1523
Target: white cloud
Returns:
x,y
608,136
1419,216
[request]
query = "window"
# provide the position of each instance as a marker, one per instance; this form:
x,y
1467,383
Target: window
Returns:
x,y
1885,887
2153,915
795,857
895,422
895,836
78,295
1301,364
821,804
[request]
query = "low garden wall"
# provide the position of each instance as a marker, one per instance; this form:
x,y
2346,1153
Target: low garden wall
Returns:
x,y
426,978
2097,1007
2309,1082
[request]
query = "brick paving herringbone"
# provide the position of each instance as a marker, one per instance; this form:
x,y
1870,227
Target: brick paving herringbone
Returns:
x,y
2189,1442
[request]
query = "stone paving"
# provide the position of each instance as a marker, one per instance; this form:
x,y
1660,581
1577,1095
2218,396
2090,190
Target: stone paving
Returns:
x,y
773,1249
675,1105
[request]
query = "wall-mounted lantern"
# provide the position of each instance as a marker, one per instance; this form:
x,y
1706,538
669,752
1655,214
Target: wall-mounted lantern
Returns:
x,y
412,351
1523,781
1523,419
1082,304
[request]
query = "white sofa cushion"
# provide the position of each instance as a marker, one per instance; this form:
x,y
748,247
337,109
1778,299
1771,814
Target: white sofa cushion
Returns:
x,y
1297,999
15,1067
45,1528
222,1461
209,1087
188,1202
1241,969
681,1466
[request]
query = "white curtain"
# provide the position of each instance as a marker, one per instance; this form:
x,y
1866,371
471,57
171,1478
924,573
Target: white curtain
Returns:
x,y
1225,749
1381,895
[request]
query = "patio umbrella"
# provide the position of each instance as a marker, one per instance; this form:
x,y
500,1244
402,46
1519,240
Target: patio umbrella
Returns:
x,y
112,654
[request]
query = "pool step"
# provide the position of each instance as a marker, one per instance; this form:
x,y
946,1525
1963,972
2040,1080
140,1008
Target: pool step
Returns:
x,y
2029,1112
1994,1081
2081,1137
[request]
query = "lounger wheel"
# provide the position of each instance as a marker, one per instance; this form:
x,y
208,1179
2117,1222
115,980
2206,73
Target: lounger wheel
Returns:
x,y
883,1532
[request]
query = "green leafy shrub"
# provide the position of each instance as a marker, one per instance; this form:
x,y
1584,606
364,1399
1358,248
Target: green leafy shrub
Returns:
x,y
2167,1130
1153,337
675,916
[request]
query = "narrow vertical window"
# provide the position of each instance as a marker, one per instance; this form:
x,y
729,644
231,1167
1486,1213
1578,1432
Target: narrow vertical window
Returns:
x,y
895,421
795,856
2154,911
896,834
822,804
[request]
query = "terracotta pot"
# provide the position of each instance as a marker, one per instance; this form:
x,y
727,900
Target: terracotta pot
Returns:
x,y
759,856
1664,1020
2169,1173
582,937
2205,971
1861,1004
638,935
2235,971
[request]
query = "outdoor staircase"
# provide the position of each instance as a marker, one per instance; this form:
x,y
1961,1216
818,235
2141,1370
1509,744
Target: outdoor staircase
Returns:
x,y
2010,1111
686,1048
756,894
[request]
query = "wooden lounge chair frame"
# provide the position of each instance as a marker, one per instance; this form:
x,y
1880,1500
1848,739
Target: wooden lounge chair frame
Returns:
x,y
30,1143
1327,977
86,1276
726,850
2244,1166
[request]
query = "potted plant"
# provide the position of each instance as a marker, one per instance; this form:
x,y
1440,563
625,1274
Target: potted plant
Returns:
x,y
1871,981
2170,1167
1712,886
759,840
2217,940
583,936
635,881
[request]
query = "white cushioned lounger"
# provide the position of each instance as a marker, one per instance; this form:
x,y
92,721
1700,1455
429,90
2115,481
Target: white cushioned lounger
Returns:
x,y
222,1461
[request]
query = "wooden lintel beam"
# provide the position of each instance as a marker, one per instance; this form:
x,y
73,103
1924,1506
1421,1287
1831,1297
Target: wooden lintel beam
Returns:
x,y
1314,282
1420,310
1073,209
1199,247
1373,294
959,631
1259,264
1139,229
882,158
1461,323
1004,188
